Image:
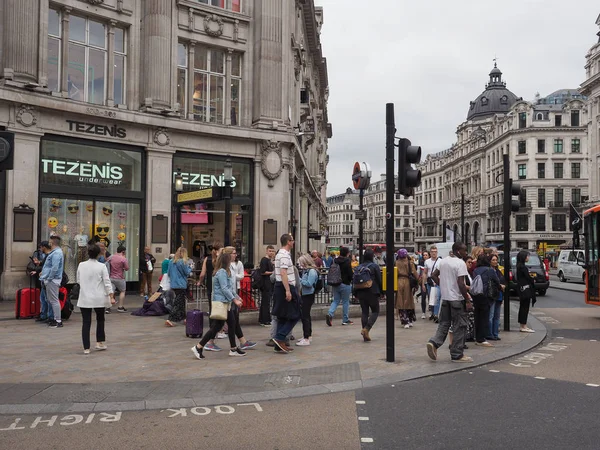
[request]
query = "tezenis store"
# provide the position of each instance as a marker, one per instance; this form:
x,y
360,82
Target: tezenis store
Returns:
x,y
92,191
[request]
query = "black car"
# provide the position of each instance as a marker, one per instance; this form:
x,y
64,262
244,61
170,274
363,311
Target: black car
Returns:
x,y
536,270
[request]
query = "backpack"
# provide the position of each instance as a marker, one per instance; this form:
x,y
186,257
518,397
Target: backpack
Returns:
x,y
257,281
477,286
319,284
65,279
362,279
334,277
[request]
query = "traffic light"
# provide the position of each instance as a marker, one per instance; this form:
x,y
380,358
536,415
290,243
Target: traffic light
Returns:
x,y
408,178
7,145
515,189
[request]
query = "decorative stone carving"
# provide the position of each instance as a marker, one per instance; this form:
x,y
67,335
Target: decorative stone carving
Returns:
x,y
271,161
236,30
190,19
161,137
213,25
120,5
95,2
26,116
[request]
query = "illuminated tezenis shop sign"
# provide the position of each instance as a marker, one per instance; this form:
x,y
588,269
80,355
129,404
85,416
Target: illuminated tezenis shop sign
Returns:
x,y
86,172
203,180
100,130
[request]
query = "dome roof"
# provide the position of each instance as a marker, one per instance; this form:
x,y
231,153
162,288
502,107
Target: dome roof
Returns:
x,y
496,99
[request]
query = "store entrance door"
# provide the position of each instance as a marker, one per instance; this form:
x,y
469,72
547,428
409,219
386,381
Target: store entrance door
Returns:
x,y
78,221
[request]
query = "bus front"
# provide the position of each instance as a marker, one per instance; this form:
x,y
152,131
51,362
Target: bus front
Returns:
x,y
591,221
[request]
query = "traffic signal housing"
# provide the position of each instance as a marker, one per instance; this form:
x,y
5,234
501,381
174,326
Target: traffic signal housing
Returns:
x,y
7,150
408,177
515,189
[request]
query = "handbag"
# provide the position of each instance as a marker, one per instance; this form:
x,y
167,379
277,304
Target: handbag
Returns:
x,y
219,310
525,292
433,295
165,282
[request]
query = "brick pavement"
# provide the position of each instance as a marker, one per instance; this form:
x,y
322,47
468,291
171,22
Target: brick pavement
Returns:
x,y
149,366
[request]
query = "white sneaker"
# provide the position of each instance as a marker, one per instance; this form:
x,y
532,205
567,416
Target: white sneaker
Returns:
x,y
423,316
221,335
303,342
407,326
101,346
410,324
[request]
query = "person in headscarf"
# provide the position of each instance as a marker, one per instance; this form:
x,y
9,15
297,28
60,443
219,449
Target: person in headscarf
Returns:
x,y
405,302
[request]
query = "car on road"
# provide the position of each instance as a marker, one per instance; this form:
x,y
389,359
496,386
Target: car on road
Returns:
x,y
569,266
536,267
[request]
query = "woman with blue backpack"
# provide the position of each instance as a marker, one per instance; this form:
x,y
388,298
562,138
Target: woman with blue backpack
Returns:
x,y
309,281
484,291
367,287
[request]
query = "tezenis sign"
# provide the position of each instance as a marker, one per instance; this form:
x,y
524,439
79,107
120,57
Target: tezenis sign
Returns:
x,y
96,129
86,172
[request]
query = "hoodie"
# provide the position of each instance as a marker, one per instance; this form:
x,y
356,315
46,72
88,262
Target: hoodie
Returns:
x,y
345,269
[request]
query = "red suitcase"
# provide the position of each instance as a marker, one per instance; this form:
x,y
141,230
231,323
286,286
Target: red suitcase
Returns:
x,y
27,303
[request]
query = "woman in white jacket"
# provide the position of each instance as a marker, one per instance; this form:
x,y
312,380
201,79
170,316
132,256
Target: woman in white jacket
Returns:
x,y
95,292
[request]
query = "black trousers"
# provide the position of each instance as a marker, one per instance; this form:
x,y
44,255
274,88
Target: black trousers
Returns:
x,y
482,318
217,325
307,303
86,316
524,310
264,314
369,302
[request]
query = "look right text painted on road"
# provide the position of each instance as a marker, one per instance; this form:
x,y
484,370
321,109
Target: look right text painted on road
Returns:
x,y
538,356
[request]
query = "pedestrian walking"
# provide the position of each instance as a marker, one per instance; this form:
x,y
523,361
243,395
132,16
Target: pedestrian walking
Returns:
x,y
341,286
433,290
206,276
224,292
38,258
369,296
118,266
496,307
178,272
526,290
423,283
51,278
147,263
266,268
484,300
95,294
455,303
407,283
286,301
310,277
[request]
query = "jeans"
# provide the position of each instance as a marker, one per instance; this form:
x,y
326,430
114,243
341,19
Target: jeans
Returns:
x,y
46,311
274,326
452,313
482,317
284,326
307,302
52,298
368,301
341,293
424,300
217,325
86,316
495,318
438,300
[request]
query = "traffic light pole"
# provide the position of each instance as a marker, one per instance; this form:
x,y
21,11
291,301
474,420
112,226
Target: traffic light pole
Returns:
x,y
506,225
390,131
361,225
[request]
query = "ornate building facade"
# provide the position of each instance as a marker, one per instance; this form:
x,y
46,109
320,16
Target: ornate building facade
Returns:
x,y
113,101
546,140
342,223
591,88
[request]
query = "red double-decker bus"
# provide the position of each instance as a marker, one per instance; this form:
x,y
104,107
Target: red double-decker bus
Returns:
x,y
591,227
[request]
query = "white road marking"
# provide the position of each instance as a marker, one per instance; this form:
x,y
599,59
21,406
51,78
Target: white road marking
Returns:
x,y
363,418
366,439
593,340
539,378
559,337
495,371
593,385
360,402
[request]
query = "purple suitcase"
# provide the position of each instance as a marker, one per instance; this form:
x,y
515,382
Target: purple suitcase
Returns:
x,y
194,324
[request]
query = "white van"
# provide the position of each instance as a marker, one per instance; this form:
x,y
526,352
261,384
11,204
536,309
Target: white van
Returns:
x,y
568,268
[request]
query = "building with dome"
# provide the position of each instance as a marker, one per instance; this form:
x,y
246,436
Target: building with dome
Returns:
x,y
546,139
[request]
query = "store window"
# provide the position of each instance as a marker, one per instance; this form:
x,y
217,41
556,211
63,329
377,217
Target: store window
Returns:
x,y
540,222
231,5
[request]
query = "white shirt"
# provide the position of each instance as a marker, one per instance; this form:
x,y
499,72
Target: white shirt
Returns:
x,y
94,283
237,269
283,261
450,269
429,263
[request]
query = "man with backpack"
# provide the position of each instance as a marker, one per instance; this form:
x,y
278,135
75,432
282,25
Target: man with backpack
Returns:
x,y
367,287
340,278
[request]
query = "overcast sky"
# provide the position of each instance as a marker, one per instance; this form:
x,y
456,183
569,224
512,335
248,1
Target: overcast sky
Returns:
x,y
431,58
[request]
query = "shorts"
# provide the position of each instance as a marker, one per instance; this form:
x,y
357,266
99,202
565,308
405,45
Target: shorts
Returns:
x,y
118,284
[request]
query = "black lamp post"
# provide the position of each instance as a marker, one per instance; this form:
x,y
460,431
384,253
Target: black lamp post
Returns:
x,y
227,196
178,189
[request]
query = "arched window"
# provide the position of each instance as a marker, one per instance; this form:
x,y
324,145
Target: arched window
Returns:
x,y
539,116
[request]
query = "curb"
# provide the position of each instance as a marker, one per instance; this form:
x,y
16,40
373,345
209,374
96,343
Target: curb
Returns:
x,y
426,370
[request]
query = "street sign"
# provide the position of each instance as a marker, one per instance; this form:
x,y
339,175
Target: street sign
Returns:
x,y
205,195
361,175
360,215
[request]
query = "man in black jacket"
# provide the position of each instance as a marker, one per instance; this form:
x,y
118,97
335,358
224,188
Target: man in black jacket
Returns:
x,y
342,291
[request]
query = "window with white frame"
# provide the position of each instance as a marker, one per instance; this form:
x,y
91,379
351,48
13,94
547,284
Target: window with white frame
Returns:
x,y
231,5
236,83
87,60
182,77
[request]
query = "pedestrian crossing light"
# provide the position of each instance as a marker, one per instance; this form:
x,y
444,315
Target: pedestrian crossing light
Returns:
x,y
515,189
408,177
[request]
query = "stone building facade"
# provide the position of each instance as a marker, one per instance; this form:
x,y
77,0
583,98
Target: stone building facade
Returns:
x,y
342,224
548,147
591,88
109,99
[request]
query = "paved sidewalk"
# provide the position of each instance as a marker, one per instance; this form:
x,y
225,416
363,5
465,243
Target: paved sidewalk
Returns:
x,y
149,366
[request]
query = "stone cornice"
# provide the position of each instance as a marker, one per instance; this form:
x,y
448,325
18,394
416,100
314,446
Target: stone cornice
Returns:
x,y
208,10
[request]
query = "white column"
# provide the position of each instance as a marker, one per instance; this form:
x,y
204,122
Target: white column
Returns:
x,y
64,51
159,187
191,86
21,39
110,95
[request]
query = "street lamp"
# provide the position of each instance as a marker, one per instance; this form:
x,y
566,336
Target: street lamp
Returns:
x,y
178,189
227,195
